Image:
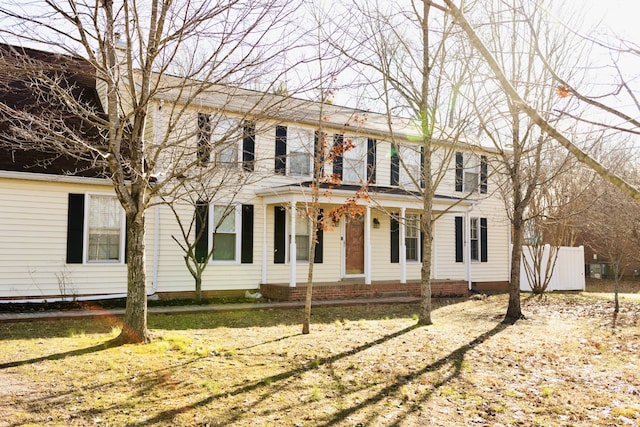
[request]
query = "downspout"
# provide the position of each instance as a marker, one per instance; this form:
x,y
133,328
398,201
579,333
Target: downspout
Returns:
x,y
156,248
156,216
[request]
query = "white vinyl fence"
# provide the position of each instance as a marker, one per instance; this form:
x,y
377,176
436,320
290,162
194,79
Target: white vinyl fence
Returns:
x,y
568,274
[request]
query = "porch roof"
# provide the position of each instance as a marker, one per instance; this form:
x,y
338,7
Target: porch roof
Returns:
x,y
375,196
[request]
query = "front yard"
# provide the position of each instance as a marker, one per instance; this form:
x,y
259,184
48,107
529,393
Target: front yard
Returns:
x,y
360,366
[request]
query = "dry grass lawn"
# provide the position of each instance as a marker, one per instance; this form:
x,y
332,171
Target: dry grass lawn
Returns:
x,y
565,365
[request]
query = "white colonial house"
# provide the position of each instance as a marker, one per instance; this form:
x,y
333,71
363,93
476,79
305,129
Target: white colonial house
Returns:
x,y
64,236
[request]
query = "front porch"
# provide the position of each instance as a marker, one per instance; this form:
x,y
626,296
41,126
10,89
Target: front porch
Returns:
x,y
348,289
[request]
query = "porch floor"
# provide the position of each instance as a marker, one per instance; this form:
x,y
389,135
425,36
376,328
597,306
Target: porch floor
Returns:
x,y
352,288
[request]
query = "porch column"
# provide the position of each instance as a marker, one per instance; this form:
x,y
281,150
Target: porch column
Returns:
x,y
292,246
403,248
367,246
264,243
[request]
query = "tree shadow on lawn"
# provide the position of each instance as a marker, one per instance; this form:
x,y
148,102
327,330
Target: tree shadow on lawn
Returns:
x,y
455,358
58,356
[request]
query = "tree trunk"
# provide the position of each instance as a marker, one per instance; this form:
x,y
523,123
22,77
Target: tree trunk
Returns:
x,y
199,288
425,273
426,224
306,322
514,311
308,296
134,328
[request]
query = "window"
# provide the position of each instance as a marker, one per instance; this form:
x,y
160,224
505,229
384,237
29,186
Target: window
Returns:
x,y
411,165
227,134
471,173
475,239
355,161
303,237
478,239
105,229
412,237
224,233
300,146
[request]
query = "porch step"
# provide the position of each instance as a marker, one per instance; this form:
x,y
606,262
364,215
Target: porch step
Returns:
x,y
392,294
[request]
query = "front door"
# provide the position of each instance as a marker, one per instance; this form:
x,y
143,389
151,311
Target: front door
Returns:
x,y
354,246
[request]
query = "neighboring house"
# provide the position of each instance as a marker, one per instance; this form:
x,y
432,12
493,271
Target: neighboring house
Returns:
x,y
63,235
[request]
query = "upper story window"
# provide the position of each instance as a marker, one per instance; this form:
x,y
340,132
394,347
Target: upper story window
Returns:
x,y
300,151
219,136
354,167
227,134
294,151
410,165
471,173
105,229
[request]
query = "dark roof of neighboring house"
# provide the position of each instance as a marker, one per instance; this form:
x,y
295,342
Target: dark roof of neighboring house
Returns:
x,y
19,69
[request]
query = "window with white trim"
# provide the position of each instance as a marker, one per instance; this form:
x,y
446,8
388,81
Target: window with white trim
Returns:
x,y
300,147
227,135
474,236
471,174
105,229
224,236
303,237
354,166
410,165
412,237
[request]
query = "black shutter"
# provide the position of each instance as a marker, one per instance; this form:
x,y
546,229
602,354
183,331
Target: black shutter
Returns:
x,y
281,150
459,171
338,144
395,240
246,239
202,231
279,234
204,138
317,257
395,165
421,243
248,146
459,240
483,240
371,161
483,174
75,228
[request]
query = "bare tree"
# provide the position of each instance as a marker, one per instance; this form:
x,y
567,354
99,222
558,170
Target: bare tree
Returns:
x,y
140,54
564,89
413,59
530,160
610,228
